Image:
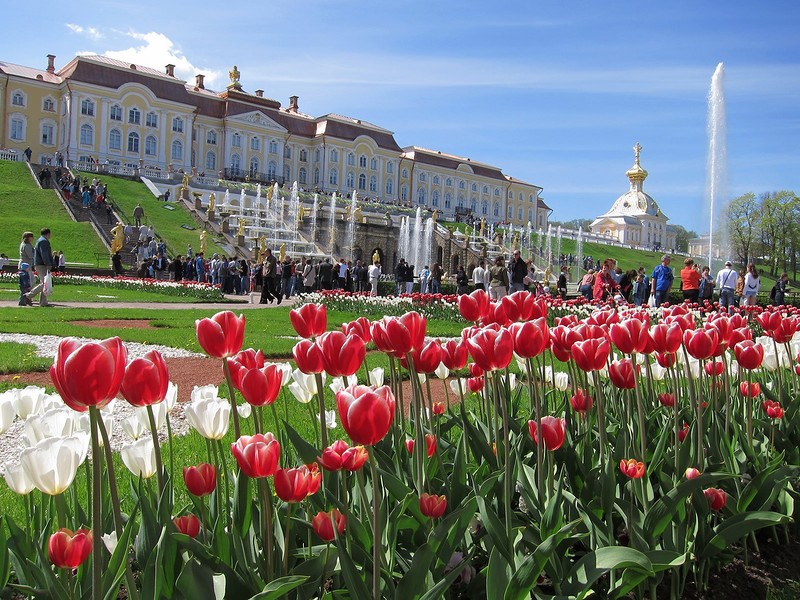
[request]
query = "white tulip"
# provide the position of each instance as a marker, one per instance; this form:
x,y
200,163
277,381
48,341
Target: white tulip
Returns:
x,y
172,396
133,427
658,371
210,417
376,376
442,372
204,392
140,457
51,401
18,480
57,422
338,383
8,411
304,386
52,463
561,381
286,371
244,410
548,374
330,419
459,386
110,541
29,401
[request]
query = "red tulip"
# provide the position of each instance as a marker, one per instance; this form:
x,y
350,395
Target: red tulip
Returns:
x,y
69,550
589,331
200,480
327,524
308,357
427,359
260,387
553,432
497,315
666,337
430,443
475,370
591,355
438,408
630,336
684,431
360,327
581,402
785,330
772,409
342,355
691,473
146,380
310,320
432,506
405,333
380,336
769,321
524,306
531,338
749,390
622,374
187,525
684,321
475,306
603,318
455,354
89,373
222,335
701,343
632,468
714,368
716,497
739,335
366,413
257,454
340,455
295,485
748,354
242,362
491,348
666,359
667,399
475,384
562,338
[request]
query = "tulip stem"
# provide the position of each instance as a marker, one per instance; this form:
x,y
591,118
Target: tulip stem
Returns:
x,y
232,393
323,432
601,424
222,466
157,448
536,401
97,518
507,483
171,452
266,498
376,528
640,410
289,510
61,510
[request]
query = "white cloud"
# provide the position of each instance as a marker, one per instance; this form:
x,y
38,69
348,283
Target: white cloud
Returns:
x,y
88,32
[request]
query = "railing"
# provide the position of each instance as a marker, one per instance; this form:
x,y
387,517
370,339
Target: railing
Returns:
x,y
11,155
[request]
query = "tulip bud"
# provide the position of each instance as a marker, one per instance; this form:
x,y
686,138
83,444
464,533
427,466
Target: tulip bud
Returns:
x,y
328,524
68,550
691,473
187,525
632,468
432,506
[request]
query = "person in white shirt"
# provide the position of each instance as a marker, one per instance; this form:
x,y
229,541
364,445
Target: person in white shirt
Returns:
x,y
479,276
374,272
726,284
752,285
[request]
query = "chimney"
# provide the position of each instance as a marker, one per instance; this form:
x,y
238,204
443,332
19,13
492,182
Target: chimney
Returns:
x,y
260,93
199,82
170,70
51,63
293,107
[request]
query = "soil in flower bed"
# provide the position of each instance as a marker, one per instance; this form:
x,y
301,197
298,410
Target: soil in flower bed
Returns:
x,y
116,323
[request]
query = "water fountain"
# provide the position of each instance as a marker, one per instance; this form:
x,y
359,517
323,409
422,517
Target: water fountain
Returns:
x,y
333,224
579,252
716,165
294,206
351,225
416,238
527,239
548,251
314,213
558,245
405,238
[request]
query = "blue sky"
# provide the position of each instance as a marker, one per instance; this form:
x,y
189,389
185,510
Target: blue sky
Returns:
x,y
554,93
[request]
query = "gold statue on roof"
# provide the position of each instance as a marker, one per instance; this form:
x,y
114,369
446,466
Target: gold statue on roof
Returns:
x,y
234,74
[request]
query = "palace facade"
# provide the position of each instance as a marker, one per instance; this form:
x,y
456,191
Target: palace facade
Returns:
x,y
102,110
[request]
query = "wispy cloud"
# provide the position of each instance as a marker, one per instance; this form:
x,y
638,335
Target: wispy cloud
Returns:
x,y
88,32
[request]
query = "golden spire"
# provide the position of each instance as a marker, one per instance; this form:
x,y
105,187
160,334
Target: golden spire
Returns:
x,y
636,174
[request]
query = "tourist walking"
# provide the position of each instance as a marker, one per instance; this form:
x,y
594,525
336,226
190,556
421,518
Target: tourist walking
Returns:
x,y
26,252
424,278
661,280
268,272
518,269
462,281
706,285
478,274
138,213
778,293
498,284
309,276
42,264
374,273
752,285
690,281
727,279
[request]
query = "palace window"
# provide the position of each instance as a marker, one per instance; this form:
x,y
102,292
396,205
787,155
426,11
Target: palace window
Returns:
x,y
254,166
287,173
87,107
421,196
362,182
510,195
373,164
362,161
404,193
484,208
273,147
531,198
211,138
115,140
211,161
18,99
317,155
134,116
334,176
255,144
389,187
373,184
496,191
301,176
303,155
151,119
115,113
272,170
177,150
435,198
236,140
405,173
486,189
334,156
287,152
448,200
133,142
316,176
530,215
521,213
351,179
448,182
422,177
390,167
510,212
235,162
474,187
496,209
435,180
48,134
177,125
87,135
48,105
150,145
461,185
351,159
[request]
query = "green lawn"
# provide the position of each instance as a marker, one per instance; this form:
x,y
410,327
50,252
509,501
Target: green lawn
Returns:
x,y
97,293
27,208
168,224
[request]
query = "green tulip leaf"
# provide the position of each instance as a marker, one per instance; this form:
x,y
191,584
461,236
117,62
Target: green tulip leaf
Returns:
x,y
115,569
736,527
498,575
351,573
495,528
196,581
595,564
437,591
280,587
307,452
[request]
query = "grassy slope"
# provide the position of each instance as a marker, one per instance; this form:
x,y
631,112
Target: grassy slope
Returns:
x,y
96,293
126,194
25,207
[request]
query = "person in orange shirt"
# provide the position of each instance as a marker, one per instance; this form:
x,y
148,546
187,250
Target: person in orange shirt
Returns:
x,y
690,281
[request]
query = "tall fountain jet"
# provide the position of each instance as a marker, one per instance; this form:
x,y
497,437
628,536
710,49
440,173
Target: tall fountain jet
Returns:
x,y
717,164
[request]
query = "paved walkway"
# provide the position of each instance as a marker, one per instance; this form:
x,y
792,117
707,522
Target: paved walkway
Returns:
x,y
236,303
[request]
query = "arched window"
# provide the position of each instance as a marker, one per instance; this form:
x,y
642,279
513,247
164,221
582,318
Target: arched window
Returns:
x,y
235,163
520,197
134,116
448,182
273,147
272,170
351,179
448,200
521,213
351,159
301,174
87,107
151,119
421,196
486,189
362,161
422,176
211,138
18,99
255,144
317,155
177,125
435,180
211,161
496,209
334,176
484,208
460,201
115,140
316,176
236,140
287,173
177,150
334,156
404,193
373,184
510,211
461,185
373,164
362,182
389,187
405,173
473,204
133,142
390,167
530,215
150,145
510,195
48,105
287,152
496,191
115,112
254,166
303,155
531,198
435,198
87,135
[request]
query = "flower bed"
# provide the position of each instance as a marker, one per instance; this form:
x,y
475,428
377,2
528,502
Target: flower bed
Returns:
x,y
668,438
205,292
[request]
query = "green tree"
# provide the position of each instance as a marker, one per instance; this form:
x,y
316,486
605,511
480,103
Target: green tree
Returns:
x,y
682,237
744,222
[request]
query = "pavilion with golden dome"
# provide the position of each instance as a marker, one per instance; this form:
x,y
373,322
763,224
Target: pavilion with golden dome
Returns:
x,y
635,218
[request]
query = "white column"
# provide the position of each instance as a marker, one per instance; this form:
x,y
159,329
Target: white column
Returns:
x,y
102,145
163,157
187,145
